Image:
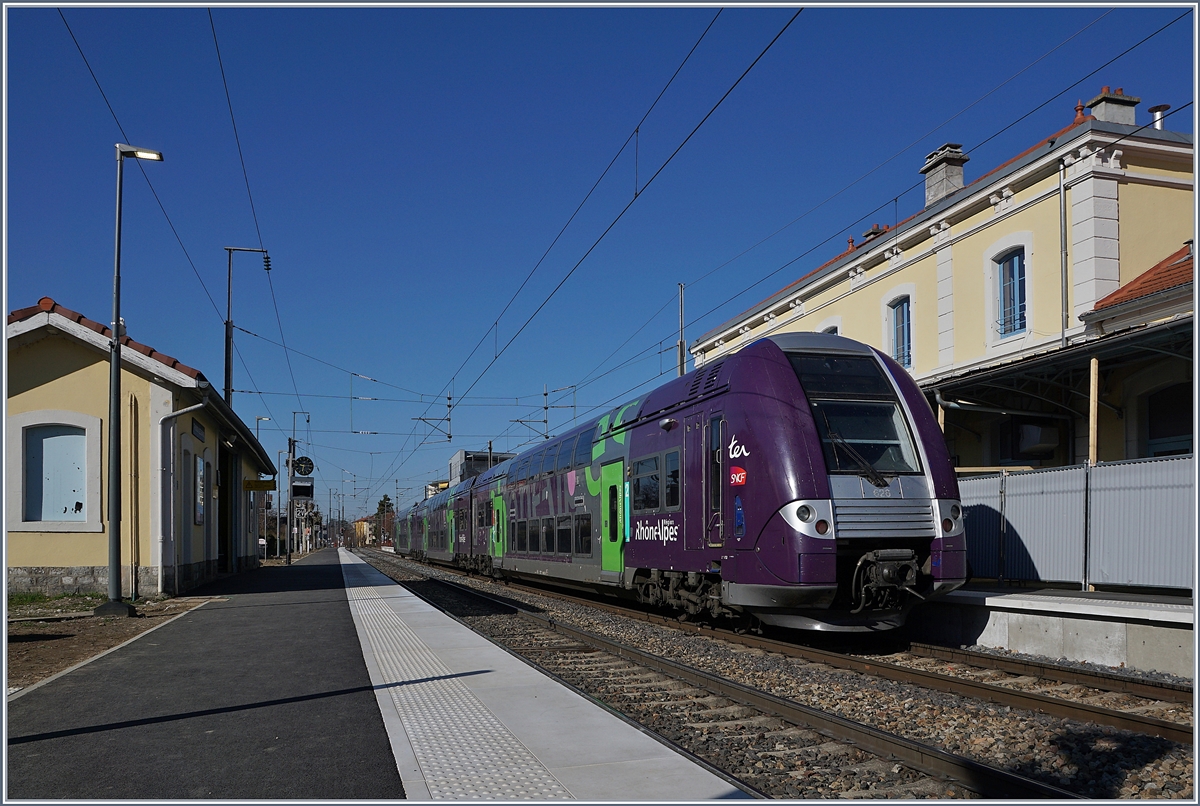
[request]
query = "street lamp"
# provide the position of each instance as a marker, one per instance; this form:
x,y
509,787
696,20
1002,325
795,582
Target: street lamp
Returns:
x,y
257,420
114,606
229,318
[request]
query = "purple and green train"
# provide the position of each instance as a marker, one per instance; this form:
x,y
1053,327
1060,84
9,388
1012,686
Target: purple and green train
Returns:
x,y
802,481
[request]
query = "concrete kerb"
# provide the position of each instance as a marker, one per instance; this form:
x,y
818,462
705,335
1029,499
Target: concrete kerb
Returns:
x,y
18,694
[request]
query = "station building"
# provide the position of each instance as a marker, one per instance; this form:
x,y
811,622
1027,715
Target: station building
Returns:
x,y
185,517
1045,307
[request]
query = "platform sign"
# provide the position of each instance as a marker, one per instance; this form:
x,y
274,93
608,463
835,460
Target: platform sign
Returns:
x,y
302,490
258,485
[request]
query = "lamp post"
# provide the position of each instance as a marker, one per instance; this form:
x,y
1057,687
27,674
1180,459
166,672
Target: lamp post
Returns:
x,y
258,420
229,319
114,606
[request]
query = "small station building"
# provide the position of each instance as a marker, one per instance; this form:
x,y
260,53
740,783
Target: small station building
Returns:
x,y
186,517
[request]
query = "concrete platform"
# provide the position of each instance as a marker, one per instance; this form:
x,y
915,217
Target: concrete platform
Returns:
x,y
1146,633
467,720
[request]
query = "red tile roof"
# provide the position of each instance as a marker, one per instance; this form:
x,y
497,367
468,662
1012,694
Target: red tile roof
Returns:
x,y
1173,271
47,305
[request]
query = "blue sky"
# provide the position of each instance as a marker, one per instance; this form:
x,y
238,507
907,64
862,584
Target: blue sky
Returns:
x,y
409,167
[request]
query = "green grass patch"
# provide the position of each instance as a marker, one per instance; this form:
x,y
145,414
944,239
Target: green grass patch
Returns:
x,y
22,599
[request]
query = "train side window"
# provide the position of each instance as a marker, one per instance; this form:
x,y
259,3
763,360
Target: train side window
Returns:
x,y
646,492
615,531
535,465
564,534
548,462
535,534
583,534
583,451
671,471
491,513
522,536
564,456
547,535
715,475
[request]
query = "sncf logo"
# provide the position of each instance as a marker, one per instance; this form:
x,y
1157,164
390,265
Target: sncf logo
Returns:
x,y
737,476
737,451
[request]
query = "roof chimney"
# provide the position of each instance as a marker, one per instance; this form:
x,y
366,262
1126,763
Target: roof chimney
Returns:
x,y
943,172
1114,107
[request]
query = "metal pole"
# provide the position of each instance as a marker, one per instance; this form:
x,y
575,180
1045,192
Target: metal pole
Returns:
x,y
682,349
1093,411
114,605
229,332
291,515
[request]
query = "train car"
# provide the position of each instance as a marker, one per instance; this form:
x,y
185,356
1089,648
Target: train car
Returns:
x,y
801,482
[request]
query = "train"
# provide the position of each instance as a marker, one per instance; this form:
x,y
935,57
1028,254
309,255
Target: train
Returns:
x,y
801,482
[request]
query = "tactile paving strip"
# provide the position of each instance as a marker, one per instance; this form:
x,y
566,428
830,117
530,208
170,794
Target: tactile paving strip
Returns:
x,y
464,752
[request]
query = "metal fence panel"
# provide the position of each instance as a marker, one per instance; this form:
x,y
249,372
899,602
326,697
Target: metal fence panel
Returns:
x,y
1045,530
981,503
1142,515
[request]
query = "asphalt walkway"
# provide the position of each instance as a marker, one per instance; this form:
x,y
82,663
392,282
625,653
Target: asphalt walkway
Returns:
x,y
265,695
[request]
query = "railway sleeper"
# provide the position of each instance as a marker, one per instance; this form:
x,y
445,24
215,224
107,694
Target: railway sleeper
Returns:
x,y
758,723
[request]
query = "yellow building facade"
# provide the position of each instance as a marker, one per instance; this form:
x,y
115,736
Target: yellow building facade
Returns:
x,y
184,456
994,295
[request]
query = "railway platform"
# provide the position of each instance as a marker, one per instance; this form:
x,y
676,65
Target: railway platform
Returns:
x,y
467,720
1151,633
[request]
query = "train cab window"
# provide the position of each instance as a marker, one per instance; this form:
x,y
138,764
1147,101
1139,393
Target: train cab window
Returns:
x,y
671,482
583,534
522,536
646,491
715,475
564,456
583,451
535,535
548,462
547,535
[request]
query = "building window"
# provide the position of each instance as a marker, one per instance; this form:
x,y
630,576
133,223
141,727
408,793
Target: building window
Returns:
x,y
832,330
1011,299
901,322
53,460
1169,416
55,473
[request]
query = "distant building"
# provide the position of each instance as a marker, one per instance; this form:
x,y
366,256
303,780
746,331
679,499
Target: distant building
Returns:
x,y
185,517
468,464
1045,307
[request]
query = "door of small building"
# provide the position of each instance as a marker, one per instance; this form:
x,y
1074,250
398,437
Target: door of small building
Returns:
x,y
612,498
226,510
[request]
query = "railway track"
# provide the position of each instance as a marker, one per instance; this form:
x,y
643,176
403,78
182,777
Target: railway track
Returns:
x,y
767,745
1148,707
1084,758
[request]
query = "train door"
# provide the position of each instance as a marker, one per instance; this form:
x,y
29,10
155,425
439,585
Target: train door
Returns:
x,y
714,478
497,523
612,483
694,507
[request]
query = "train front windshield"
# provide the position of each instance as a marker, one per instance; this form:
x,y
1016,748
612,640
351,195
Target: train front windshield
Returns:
x,y
857,414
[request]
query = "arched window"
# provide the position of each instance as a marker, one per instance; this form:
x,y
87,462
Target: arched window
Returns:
x,y
900,312
1010,309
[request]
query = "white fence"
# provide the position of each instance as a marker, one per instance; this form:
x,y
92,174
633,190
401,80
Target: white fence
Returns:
x,y
1118,523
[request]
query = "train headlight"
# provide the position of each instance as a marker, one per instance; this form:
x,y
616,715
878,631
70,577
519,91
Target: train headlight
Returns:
x,y
955,512
947,525
813,517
